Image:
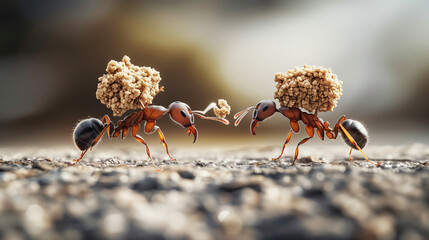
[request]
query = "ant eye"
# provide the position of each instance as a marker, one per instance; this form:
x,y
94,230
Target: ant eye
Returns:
x,y
265,108
183,113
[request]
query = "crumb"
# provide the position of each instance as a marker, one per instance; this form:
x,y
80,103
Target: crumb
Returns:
x,y
308,87
127,86
224,109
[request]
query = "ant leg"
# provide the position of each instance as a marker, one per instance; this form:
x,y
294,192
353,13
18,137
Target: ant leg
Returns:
x,y
111,128
77,160
141,140
350,155
329,134
162,138
284,146
354,143
134,130
337,125
106,119
297,148
99,136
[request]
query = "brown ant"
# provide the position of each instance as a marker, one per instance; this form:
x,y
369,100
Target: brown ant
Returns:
x,y
353,132
89,131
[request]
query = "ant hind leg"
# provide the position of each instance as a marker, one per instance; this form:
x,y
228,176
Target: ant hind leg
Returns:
x,y
77,160
350,155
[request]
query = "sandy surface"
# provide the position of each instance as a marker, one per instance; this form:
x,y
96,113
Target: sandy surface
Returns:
x,y
215,194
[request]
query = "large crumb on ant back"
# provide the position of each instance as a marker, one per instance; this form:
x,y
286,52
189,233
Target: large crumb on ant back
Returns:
x,y
224,109
127,86
308,87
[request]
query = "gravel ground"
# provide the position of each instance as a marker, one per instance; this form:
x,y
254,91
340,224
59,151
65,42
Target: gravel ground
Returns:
x,y
214,194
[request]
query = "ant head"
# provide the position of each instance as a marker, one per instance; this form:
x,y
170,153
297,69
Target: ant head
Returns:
x,y
263,110
181,113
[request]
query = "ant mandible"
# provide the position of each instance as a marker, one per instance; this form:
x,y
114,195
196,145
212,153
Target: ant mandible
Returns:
x,y
353,132
89,131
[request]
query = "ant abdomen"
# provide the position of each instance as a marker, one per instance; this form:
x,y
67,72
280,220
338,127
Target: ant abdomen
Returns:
x,y
357,131
86,132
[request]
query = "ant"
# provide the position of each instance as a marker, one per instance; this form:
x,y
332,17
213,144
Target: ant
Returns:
x,y
89,131
353,132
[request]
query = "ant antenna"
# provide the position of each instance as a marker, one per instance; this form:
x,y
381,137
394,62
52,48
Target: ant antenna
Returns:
x,y
240,115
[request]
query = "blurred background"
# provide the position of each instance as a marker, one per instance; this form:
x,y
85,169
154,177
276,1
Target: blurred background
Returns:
x,y
52,53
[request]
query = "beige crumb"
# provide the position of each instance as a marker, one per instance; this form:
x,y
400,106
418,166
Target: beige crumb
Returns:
x,y
308,87
127,86
224,109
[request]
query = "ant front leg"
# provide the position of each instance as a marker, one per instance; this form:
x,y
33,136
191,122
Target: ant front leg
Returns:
x,y
289,136
134,131
162,138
